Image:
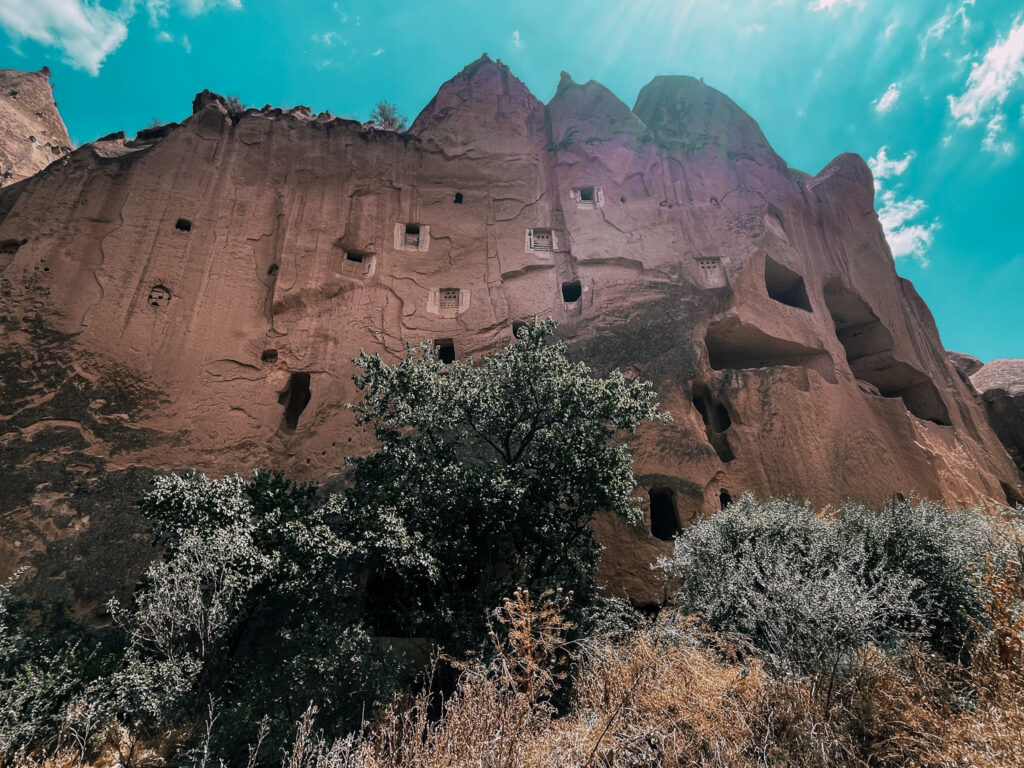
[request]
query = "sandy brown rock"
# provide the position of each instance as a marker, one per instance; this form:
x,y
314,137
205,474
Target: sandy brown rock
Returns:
x,y
32,133
964,365
218,276
1001,384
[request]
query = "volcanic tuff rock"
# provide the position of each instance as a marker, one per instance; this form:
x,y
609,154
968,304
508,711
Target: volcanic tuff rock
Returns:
x,y
1001,384
32,133
193,298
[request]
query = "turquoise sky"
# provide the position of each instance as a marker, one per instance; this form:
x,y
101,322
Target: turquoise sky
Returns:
x,y
931,93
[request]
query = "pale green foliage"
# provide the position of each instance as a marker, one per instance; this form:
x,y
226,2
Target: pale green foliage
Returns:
x,y
385,116
810,591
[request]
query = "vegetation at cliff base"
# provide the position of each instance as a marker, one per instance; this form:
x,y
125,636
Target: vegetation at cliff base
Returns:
x,y
441,609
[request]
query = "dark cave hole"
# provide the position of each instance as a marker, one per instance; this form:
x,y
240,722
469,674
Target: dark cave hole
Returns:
x,y
664,519
571,291
184,225
295,397
445,350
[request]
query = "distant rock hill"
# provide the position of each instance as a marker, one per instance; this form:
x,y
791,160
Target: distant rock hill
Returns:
x,y
32,133
193,298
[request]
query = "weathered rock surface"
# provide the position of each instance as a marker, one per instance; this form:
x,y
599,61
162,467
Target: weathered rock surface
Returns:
x,y
194,298
32,133
1001,384
965,365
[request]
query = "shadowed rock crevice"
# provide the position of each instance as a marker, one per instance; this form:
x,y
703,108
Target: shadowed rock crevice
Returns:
x,y
716,420
784,285
732,344
869,352
664,516
294,397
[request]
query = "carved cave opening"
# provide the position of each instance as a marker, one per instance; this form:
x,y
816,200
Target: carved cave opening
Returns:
x,y
354,257
445,350
735,345
412,235
184,225
724,499
571,291
587,195
869,352
664,518
785,286
716,420
1013,496
269,356
294,397
458,198
273,269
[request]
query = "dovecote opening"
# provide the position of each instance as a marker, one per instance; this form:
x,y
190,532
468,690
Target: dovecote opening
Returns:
x,y
571,291
294,397
448,302
458,198
785,286
664,518
183,225
269,356
159,296
445,350
540,240
412,235
587,197
710,272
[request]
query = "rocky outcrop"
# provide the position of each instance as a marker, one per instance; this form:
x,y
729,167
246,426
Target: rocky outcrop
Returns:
x,y
32,133
195,296
965,365
1001,384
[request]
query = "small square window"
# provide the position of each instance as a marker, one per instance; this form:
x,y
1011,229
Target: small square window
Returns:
x,y
458,198
412,235
354,257
588,197
586,194
184,225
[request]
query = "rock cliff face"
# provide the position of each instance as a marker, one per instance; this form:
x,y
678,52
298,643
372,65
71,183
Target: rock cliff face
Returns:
x,y
193,298
1001,384
32,133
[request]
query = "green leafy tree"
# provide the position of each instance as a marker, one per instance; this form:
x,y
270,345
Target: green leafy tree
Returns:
x,y
497,467
385,116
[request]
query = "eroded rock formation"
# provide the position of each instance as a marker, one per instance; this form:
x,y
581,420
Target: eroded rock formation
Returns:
x,y
1001,384
32,133
193,298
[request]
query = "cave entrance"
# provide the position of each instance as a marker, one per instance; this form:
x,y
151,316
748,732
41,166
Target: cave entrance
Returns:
x,y
445,350
184,225
294,397
716,421
458,198
571,291
869,352
785,286
664,518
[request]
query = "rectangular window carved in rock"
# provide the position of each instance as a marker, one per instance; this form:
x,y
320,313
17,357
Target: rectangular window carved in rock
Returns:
x,y
587,197
711,273
184,225
412,235
445,350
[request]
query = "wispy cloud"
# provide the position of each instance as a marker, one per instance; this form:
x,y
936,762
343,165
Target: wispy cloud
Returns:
x,y
882,167
905,236
887,101
344,16
85,32
989,84
945,22
992,142
327,38
165,37
516,40
378,52
831,5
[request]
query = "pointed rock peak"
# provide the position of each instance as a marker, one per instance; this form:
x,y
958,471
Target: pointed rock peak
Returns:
x,y
685,114
591,113
847,177
205,98
484,93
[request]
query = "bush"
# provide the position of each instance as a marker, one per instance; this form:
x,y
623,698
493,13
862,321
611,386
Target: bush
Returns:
x,y
811,591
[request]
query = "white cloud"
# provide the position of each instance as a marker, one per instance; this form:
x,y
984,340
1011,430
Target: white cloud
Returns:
x,y
84,31
344,16
891,29
992,143
165,37
905,237
828,5
327,38
186,44
378,52
888,100
991,79
516,40
884,168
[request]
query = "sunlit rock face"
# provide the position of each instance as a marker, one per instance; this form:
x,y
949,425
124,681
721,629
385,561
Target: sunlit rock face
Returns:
x,y
32,133
194,297
1001,384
